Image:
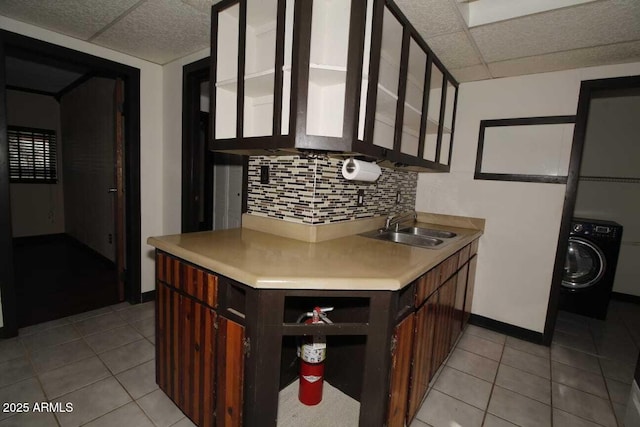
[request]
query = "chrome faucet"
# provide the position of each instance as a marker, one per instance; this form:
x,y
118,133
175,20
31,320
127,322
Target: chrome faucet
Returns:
x,y
394,220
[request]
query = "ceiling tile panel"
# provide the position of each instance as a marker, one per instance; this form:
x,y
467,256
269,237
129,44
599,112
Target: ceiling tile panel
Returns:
x,y
454,50
432,17
471,74
75,18
588,57
159,31
593,24
203,6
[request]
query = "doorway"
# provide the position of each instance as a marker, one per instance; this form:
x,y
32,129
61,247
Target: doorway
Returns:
x,y
590,91
214,194
80,248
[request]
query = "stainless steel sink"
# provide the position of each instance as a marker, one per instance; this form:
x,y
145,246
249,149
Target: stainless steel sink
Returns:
x,y
408,239
430,232
428,238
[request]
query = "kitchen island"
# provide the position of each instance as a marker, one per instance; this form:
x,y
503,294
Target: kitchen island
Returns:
x,y
228,301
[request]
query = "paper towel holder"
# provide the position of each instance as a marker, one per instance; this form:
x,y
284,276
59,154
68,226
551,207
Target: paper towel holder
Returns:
x,y
359,170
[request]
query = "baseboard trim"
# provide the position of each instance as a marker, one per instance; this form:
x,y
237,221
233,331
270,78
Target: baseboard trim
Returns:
x,y
148,296
507,329
38,238
635,299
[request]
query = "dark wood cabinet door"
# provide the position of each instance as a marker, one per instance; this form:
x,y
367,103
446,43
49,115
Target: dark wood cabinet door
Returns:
x,y
471,280
458,306
400,370
450,286
197,368
444,316
230,372
186,354
423,364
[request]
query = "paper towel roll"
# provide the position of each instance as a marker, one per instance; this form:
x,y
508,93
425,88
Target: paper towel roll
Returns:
x,y
358,170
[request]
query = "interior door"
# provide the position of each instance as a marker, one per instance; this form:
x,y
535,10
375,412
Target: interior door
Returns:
x,y
119,211
9,325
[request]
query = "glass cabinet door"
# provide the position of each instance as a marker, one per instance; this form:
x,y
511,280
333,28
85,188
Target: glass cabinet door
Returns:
x,y
447,128
433,113
226,80
388,79
414,94
259,67
328,67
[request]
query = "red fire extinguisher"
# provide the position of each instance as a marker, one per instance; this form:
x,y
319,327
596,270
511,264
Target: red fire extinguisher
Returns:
x,y
312,353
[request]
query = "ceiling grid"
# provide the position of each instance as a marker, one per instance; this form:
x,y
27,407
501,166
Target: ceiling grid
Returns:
x,y
590,33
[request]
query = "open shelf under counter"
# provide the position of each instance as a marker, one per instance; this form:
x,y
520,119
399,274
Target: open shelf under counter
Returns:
x,y
334,405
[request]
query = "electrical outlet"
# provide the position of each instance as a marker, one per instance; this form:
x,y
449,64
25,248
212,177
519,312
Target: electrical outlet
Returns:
x,y
398,197
264,174
360,197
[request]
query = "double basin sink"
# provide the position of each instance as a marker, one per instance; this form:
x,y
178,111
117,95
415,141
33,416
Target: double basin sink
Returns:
x,y
415,236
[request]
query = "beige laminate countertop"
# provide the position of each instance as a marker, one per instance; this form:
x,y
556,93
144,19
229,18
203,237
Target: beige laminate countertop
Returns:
x,y
266,261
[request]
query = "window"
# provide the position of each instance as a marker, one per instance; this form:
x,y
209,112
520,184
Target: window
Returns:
x,y
32,155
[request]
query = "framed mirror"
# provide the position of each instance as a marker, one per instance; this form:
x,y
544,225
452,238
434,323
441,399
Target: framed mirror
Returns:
x,y
534,149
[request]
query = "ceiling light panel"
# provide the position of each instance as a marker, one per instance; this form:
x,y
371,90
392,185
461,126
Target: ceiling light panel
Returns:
x,y
489,11
454,50
159,31
579,58
75,18
432,17
594,24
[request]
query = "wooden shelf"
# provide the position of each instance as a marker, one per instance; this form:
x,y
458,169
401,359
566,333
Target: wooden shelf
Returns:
x,y
261,83
327,75
255,85
386,107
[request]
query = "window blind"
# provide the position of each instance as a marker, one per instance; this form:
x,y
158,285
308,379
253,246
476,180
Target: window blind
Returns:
x,y
32,155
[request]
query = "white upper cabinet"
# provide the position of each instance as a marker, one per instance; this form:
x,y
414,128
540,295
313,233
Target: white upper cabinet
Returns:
x,y
343,77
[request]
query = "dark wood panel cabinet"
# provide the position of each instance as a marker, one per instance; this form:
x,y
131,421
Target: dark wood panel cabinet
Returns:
x,y
379,92
199,354
400,370
443,301
219,343
422,360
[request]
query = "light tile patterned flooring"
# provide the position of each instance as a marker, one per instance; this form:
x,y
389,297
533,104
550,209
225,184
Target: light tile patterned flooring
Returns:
x,y
103,362
583,380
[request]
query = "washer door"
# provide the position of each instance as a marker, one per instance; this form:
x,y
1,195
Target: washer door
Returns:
x,y
584,264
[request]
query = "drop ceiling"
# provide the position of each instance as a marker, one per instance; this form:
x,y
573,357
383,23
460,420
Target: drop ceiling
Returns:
x,y
589,33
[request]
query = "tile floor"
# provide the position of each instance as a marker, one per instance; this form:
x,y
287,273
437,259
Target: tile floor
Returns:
x,y
103,362
583,380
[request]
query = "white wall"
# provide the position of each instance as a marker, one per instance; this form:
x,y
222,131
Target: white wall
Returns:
x,y
151,133
612,149
36,209
517,251
172,128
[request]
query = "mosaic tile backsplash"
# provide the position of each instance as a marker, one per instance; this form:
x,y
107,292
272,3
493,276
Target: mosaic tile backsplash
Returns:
x,y
313,191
